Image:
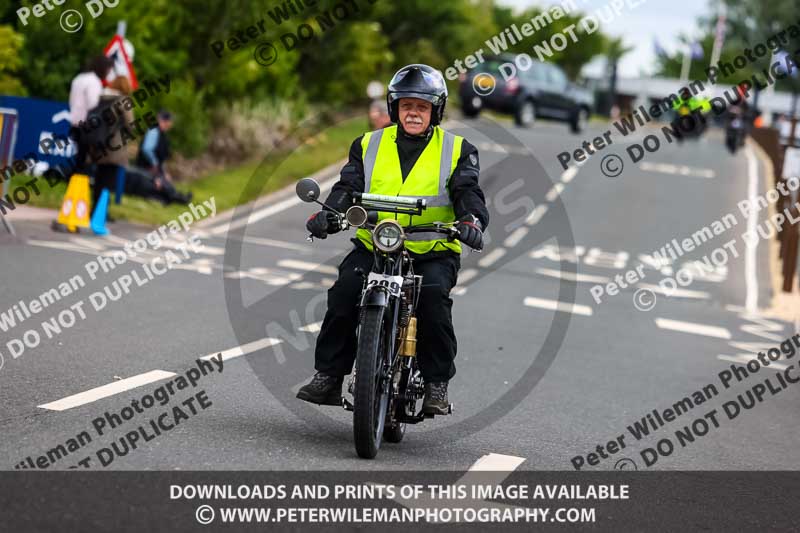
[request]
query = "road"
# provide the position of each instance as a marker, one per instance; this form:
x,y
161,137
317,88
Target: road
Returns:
x,y
538,380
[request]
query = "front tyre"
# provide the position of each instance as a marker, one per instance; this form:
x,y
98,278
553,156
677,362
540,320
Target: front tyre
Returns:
x,y
395,433
579,121
370,404
525,114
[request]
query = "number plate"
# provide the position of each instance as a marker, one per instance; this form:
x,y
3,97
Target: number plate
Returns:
x,y
392,283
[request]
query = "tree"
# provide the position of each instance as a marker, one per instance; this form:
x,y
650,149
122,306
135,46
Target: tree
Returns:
x,y
10,62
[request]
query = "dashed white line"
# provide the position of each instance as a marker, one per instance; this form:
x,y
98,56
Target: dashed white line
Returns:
x,y
305,265
244,349
491,257
496,462
569,174
105,391
272,209
312,328
553,193
743,359
679,293
536,215
466,275
555,305
682,170
569,276
691,327
59,245
516,236
277,244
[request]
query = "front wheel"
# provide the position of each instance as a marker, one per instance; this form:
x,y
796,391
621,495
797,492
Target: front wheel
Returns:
x,y
371,396
525,114
579,121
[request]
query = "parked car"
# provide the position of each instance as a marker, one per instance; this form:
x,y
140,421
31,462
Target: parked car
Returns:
x,y
542,90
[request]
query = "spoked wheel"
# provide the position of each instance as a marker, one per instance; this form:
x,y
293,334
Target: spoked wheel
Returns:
x,y
371,393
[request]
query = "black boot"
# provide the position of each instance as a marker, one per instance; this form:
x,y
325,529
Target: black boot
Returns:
x,y
435,402
323,390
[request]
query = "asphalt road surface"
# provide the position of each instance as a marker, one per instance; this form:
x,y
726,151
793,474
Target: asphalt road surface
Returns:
x,y
545,373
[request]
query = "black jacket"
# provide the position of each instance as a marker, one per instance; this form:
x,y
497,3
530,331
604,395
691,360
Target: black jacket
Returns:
x,y
465,192
162,151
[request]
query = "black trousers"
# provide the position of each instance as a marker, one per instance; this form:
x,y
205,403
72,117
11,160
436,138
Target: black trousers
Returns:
x,y
104,178
436,340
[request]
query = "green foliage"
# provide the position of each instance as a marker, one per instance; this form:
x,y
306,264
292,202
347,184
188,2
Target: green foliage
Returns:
x,y
173,37
10,62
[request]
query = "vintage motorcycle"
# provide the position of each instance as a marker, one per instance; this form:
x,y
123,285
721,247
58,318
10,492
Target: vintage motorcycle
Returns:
x,y
386,383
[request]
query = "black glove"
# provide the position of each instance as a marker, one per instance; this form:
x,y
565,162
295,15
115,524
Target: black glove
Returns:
x,y
470,232
322,223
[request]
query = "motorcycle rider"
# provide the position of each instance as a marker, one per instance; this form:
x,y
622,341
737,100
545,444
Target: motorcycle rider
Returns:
x,y
415,157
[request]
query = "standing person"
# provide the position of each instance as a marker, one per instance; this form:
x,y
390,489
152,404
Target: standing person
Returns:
x,y
414,157
115,157
84,95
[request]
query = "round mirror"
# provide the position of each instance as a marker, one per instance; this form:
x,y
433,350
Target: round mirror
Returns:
x,y
307,189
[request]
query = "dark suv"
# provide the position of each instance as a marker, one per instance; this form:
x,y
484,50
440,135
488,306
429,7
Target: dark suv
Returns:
x,y
542,90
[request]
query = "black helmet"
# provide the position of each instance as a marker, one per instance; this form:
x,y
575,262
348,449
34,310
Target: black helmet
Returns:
x,y
417,81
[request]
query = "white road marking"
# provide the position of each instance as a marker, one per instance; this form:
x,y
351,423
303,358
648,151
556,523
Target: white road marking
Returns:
x,y
59,245
743,359
105,391
555,305
569,174
496,462
501,148
681,170
276,244
750,273
266,211
491,469
536,215
569,276
306,266
244,349
466,275
491,257
678,293
691,327
553,193
313,327
516,236
89,243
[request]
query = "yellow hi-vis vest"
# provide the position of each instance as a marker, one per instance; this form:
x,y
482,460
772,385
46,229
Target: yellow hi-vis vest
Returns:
x,y
428,179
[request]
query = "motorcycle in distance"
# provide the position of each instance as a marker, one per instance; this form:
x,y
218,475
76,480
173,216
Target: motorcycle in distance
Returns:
x,y
735,130
386,383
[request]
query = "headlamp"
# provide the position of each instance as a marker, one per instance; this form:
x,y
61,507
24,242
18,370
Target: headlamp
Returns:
x,y
388,236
